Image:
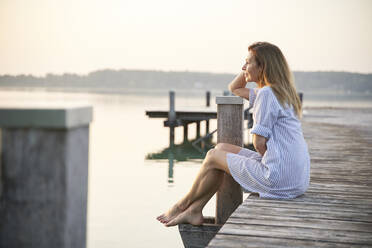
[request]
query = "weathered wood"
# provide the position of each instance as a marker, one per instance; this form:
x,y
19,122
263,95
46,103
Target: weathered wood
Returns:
x,y
284,220
229,130
315,234
184,114
233,241
197,236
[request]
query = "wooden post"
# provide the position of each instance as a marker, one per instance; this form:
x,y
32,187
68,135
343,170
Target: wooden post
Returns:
x,y
229,130
185,133
206,127
171,118
301,95
197,129
208,97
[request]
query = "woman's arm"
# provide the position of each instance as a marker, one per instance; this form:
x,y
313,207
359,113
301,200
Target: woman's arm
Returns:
x,y
259,143
237,86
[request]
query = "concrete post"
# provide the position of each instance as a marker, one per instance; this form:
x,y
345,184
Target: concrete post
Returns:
x,y
229,130
44,167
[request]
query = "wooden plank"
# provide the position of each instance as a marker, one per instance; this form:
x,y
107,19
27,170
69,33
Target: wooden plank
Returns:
x,y
311,202
305,213
313,234
232,241
248,205
197,236
336,210
181,114
325,224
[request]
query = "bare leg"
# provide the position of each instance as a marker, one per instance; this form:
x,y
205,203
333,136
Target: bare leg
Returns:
x,y
205,185
208,187
228,147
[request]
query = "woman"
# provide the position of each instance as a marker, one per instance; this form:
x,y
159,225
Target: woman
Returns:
x,y
281,166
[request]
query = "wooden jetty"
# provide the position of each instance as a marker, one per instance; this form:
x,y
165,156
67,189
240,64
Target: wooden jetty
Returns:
x,y
182,118
336,211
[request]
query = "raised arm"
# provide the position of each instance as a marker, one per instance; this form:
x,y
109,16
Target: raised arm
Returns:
x,y
237,86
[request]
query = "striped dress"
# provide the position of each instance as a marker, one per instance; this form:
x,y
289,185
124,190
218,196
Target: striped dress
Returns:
x,y
284,170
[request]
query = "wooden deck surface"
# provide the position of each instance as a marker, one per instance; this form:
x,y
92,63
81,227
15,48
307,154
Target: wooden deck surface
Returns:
x,y
336,211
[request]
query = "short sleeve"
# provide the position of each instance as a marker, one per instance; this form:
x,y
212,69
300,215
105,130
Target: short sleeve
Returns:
x,y
252,96
265,113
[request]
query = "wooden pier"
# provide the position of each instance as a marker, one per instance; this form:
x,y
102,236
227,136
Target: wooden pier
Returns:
x,y
182,118
336,211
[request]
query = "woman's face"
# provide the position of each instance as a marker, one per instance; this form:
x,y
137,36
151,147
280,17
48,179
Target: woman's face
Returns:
x,y
251,70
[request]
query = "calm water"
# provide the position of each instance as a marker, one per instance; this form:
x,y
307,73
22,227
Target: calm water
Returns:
x,y
126,190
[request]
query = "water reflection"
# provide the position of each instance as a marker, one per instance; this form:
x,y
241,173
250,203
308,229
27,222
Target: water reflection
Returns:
x,y
190,150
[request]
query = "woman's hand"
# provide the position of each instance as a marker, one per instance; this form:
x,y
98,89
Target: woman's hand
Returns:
x,y
259,143
238,82
237,86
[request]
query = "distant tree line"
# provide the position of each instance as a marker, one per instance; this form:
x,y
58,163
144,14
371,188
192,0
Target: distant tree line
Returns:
x,y
112,80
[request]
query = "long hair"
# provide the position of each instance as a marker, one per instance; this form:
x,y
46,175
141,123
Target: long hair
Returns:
x,y
276,74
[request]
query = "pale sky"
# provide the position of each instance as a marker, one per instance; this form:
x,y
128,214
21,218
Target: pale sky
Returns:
x,y
80,36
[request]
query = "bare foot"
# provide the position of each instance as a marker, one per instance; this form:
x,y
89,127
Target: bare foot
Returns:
x,y
188,216
170,214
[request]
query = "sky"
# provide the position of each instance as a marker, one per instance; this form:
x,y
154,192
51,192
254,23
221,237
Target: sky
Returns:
x,y
80,36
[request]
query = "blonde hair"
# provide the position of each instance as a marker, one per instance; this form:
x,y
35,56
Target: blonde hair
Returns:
x,y
276,74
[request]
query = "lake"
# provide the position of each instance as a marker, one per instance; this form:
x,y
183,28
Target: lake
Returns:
x,y
127,190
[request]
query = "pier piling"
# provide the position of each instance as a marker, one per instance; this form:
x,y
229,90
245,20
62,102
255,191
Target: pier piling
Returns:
x,y
208,98
171,118
229,130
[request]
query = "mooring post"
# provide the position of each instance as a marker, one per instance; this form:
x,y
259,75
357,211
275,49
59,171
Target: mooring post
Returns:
x,y
44,167
171,118
301,95
229,130
208,97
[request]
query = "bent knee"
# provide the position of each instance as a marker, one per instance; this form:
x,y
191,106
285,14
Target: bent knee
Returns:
x,y
211,153
209,158
222,146
228,147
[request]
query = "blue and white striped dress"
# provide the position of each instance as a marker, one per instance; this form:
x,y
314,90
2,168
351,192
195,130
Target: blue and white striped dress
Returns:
x,y
284,170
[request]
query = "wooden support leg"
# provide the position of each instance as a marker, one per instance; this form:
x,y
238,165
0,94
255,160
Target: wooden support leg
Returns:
x,y
198,129
206,127
185,133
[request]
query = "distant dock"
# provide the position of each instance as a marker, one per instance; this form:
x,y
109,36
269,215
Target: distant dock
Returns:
x,y
177,118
